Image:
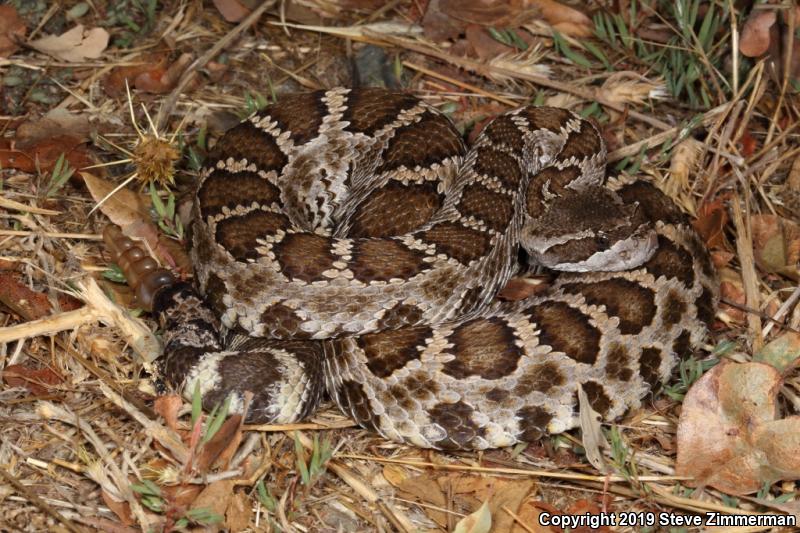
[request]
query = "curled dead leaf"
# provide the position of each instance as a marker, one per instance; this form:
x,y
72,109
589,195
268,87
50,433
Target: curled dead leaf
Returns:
x,y
729,436
75,45
755,37
114,83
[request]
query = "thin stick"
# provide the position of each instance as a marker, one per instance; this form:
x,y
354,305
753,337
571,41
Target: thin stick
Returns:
x,y
49,325
52,234
518,471
268,428
744,247
7,203
784,308
461,84
787,68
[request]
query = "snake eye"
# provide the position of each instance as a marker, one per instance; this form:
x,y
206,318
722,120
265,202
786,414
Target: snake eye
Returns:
x,y
602,241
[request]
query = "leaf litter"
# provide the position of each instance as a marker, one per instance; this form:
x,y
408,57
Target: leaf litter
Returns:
x,y
717,134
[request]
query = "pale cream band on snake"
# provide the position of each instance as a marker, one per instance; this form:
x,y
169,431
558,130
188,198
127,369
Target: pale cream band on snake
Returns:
x,y
349,241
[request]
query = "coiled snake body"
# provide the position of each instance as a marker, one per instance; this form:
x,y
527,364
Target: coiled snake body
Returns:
x,y
348,240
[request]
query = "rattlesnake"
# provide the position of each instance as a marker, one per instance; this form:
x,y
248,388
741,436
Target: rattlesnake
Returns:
x,y
348,240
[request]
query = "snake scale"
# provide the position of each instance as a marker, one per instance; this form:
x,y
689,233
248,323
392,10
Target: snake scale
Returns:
x,y
349,241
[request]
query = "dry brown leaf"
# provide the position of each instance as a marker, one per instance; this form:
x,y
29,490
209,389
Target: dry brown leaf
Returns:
x,y
154,63
485,46
710,223
793,181
728,434
489,13
562,18
395,474
438,25
448,19
28,303
426,490
721,258
529,515
228,436
776,244
124,207
499,492
237,517
731,288
755,37
160,80
56,122
75,45
168,406
232,10
37,380
12,30
216,497
121,509
182,495
43,154
533,510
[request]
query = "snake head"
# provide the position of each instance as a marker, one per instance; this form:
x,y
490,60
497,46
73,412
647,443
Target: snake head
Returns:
x,y
590,230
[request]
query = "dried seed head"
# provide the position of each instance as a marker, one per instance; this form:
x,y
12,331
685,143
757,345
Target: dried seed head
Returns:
x,y
155,159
